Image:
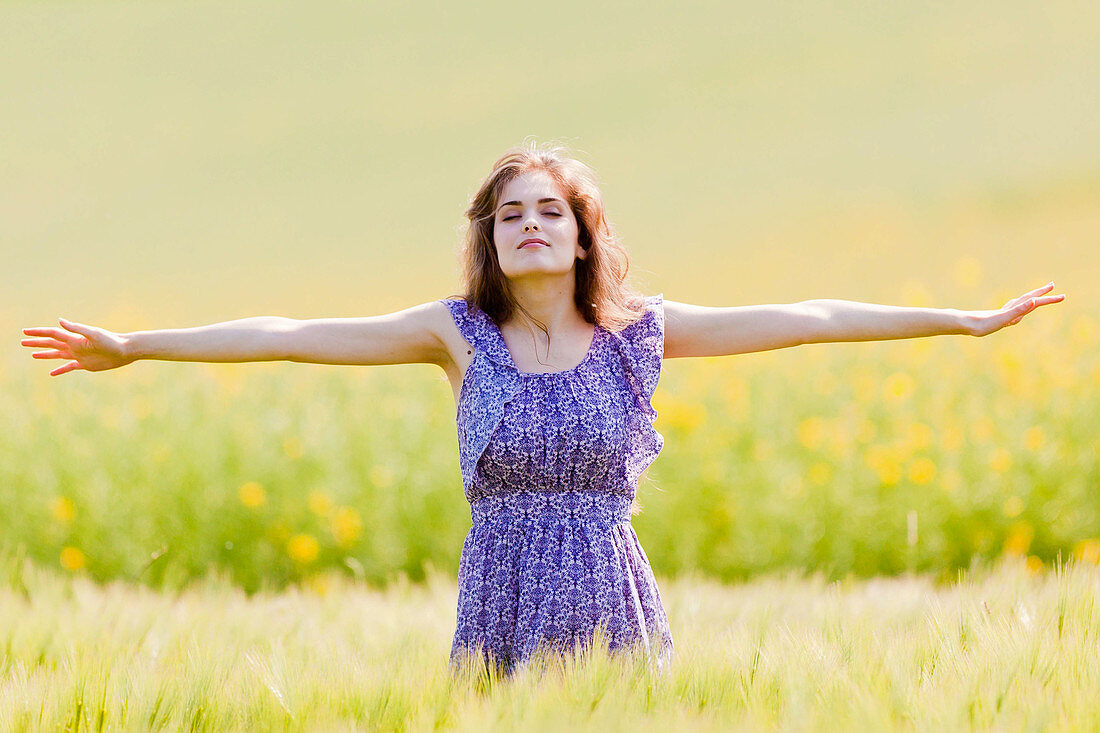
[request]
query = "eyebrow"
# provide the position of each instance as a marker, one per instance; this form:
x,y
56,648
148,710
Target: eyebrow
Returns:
x,y
517,203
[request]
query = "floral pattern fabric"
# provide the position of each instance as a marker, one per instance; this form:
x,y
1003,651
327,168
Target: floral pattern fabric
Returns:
x,y
550,465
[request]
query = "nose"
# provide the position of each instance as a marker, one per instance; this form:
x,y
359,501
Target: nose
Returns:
x,y
531,226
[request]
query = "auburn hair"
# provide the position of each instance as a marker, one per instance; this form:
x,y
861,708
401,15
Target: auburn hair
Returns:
x,y
602,294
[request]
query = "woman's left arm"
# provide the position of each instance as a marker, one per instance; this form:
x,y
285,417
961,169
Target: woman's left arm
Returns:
x,y
845,320
693,330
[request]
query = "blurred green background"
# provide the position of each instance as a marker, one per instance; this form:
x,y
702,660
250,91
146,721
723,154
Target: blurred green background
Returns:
x,y
173,164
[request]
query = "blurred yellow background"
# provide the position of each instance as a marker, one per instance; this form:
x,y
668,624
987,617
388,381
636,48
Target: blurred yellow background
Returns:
x,y
173,164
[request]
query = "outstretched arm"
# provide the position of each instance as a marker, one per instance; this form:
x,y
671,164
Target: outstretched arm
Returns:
x,y
693,330
410,336
844,320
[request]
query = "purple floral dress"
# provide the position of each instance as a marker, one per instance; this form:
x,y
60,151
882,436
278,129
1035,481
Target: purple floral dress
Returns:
x,y
550,463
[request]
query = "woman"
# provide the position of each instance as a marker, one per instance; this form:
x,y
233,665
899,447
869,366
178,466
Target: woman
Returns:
x,y
553,361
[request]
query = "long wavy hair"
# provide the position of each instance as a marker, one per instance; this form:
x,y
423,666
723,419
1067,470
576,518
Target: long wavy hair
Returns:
x,y
602,294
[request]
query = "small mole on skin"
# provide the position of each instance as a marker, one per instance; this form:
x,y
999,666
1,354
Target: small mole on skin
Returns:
x,y
468,351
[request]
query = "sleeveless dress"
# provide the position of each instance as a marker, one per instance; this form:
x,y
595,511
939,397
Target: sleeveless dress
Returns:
x,y
550,464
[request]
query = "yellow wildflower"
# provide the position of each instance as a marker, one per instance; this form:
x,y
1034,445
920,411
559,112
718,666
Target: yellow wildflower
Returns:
x,y
292,447
952,438
1034,565
319,584
302,548
252,495
1009,363
1019,538
682,415
981,429
922,470
889,471
811,431
1088,551
72,558
1034,438
346,526
918,436
1001,460
840,441
319,503
63,509
898,386
919,350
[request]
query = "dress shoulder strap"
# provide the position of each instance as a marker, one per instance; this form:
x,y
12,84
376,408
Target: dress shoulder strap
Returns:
x,y
478,330
644,344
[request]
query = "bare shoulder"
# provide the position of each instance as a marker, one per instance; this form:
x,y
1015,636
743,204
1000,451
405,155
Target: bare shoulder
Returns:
x,y
435,318
456,352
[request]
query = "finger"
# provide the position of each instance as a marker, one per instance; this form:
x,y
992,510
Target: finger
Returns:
x,y
1031,294
66,368
1039,291
51,355
63,336
51,343
40,331
80,328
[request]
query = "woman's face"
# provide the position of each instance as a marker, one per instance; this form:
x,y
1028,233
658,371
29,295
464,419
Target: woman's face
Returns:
x,y
532,207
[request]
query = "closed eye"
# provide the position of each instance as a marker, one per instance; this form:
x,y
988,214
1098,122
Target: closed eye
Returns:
x,y
516,216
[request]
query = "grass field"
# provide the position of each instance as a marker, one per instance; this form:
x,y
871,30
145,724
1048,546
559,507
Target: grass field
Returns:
x,y
1011,649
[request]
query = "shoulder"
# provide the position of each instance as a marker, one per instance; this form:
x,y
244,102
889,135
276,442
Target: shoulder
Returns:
x,y
430,322
651,318
458,325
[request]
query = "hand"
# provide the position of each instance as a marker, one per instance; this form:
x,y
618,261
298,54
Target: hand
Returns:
x,y
983,323
90,348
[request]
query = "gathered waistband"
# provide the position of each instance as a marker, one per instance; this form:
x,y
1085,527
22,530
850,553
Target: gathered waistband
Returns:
x,y
584,506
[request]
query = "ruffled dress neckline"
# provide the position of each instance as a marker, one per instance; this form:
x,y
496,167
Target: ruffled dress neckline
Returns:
x,y
510,362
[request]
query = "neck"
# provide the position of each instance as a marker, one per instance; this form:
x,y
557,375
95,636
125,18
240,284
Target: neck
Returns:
x,y
548,301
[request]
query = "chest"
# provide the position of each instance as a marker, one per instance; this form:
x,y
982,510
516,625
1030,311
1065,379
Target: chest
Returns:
x,y
558,421
534,354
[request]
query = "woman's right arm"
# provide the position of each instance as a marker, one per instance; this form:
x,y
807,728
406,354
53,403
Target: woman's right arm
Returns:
x,y
414,335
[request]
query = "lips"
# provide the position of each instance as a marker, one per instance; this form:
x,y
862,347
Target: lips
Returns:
x,y
532,240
